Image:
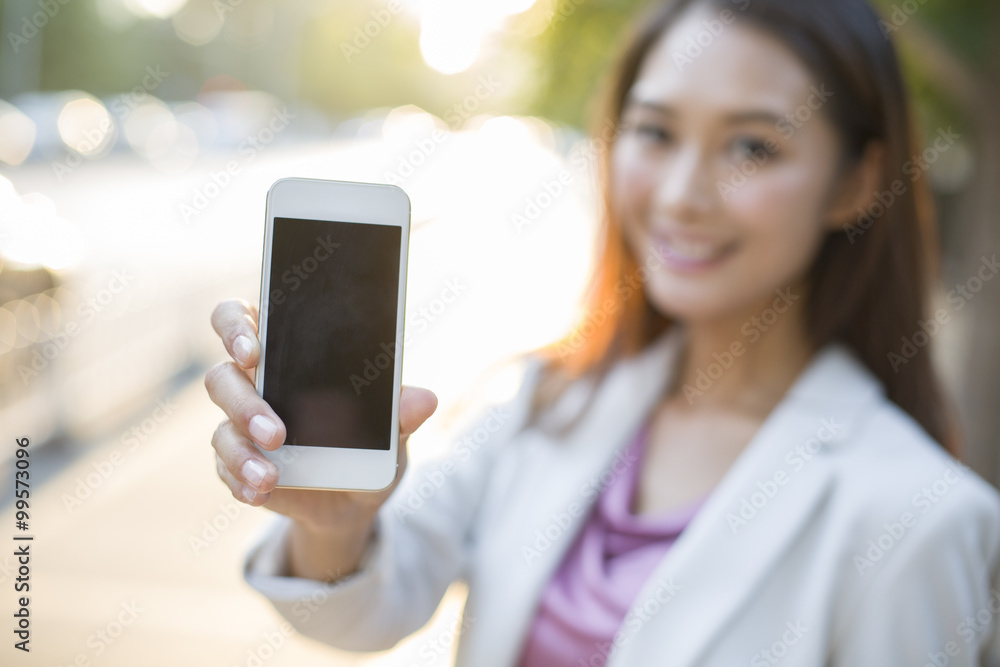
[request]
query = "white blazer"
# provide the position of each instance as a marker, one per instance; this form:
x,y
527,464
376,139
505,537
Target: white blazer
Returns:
x,y
842,535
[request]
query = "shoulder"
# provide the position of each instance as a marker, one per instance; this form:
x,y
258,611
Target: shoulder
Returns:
x,y
897,489
917,537
890,454
883,462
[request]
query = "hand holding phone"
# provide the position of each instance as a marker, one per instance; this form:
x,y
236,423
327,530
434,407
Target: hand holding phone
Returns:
x,y
337,520
320,436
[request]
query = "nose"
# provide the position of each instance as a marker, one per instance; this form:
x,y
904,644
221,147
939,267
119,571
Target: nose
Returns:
x,y
685,191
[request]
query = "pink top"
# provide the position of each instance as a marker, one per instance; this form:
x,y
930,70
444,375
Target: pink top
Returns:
x,y
585,602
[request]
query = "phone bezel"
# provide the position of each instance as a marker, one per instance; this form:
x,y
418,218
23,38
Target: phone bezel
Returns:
x,y
342,201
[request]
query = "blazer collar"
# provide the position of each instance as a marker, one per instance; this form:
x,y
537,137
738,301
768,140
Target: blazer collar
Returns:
x,y
754,515
699,584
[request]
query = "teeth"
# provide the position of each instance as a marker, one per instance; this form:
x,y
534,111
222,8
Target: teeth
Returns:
x,y
693,250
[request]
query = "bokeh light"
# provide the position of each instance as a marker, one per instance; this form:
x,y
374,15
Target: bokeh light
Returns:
x,y
452,32
33,234
86,127
159,9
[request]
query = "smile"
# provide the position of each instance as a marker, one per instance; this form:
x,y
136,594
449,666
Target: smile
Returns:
x,y
691,255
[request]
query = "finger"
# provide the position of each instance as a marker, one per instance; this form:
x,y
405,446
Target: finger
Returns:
x,y
416,404
235,320
244,462
240,491
230,389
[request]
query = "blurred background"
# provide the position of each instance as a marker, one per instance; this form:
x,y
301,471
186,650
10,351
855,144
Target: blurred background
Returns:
x,y
137,141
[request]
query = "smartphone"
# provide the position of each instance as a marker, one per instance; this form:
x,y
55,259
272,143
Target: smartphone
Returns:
x,y
332,308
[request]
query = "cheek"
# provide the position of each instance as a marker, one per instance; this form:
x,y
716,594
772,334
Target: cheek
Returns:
x,y
632,183
633,186
780,211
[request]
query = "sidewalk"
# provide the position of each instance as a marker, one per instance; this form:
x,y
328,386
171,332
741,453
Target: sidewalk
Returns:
x,y
119,577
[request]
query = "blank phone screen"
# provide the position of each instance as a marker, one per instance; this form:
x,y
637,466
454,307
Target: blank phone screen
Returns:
x,y
331,331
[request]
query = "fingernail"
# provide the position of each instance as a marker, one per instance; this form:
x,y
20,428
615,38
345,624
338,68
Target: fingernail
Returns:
x,y
262,429
242,347
253,472
249,494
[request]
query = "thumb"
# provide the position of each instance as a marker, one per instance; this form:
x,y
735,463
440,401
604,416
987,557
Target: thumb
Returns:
x,y
416,404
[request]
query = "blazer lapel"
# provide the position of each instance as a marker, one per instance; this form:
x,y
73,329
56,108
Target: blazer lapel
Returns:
x,y
559,487
752,517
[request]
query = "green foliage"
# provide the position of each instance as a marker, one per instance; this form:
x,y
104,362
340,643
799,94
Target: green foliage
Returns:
x,y
575,52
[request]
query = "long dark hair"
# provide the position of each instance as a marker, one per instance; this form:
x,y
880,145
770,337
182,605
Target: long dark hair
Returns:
x,y
869,283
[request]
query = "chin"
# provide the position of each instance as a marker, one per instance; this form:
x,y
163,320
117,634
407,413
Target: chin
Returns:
x,y
688,304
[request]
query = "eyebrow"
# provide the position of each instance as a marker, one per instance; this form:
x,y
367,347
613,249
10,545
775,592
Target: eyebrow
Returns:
x,y
749,116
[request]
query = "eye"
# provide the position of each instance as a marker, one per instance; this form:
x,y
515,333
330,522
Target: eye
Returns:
x,y
744,148
651,132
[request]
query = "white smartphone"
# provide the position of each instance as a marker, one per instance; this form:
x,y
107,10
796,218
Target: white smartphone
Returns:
x,y
332,308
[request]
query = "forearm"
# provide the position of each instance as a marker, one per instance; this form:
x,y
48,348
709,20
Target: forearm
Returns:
x,y
327,556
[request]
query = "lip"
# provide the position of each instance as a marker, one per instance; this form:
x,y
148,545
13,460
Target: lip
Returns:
x,y
691,253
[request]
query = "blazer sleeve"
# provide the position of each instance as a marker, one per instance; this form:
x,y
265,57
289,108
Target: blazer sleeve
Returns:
x,y
935,601
420,545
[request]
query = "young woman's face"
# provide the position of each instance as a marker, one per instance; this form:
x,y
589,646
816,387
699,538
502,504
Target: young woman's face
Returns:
x,y
724,168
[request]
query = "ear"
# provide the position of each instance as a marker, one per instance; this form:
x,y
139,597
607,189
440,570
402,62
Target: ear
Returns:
x,y
857,186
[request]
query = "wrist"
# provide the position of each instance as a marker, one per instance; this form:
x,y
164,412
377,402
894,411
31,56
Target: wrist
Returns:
x,y
328,554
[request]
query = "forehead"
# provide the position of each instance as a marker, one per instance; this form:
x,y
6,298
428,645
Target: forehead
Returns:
x,y
715,60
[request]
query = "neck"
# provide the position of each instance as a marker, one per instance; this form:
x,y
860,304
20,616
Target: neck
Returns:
x,y
745,362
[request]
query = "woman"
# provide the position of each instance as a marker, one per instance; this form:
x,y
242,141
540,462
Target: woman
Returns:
x,y
732,461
